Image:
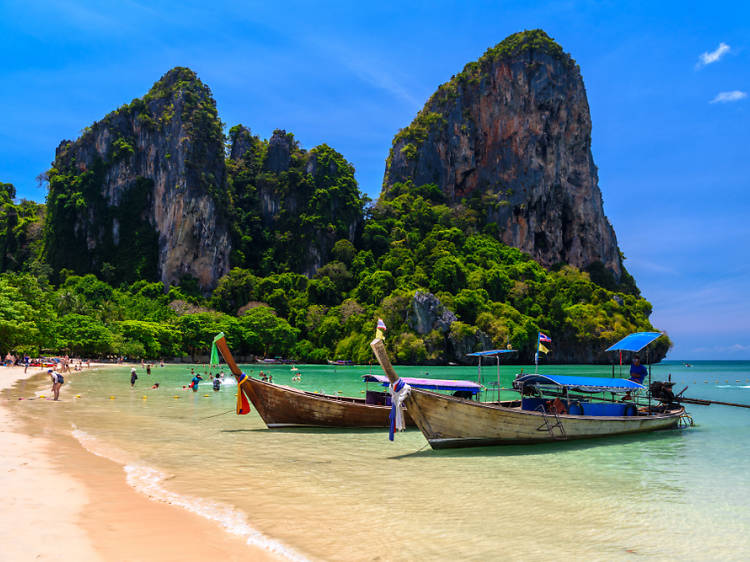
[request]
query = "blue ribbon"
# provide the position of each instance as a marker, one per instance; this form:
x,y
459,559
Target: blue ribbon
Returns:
x,y
392,416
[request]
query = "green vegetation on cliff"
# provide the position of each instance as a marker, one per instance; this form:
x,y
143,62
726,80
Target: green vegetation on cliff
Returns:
x,y
289,206
412,243
20,231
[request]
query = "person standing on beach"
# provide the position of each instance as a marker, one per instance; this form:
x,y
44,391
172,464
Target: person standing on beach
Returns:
x,y
133,377
26,361
57,382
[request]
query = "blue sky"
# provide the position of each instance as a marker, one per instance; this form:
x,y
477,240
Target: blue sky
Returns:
x,y
667,83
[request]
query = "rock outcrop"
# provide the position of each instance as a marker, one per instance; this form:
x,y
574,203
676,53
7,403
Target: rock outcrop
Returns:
x,y
512,133
448,340
427,313
140,193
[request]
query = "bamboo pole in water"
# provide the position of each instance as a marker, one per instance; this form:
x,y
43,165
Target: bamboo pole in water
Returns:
x,y
701,402
378,348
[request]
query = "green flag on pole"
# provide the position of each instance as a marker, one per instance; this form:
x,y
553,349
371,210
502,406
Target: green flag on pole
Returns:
x,y
214,350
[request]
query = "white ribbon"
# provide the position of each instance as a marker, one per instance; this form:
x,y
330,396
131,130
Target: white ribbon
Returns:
x,y
397,402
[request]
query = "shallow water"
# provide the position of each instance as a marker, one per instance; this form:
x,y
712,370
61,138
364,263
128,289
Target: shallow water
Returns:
x,y
353,495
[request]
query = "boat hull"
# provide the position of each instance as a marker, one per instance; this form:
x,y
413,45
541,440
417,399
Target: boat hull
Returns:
x,y
282,406
448,422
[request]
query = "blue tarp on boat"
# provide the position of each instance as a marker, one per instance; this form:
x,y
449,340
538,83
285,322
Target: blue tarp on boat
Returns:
x,y
635,342
587,384
430,384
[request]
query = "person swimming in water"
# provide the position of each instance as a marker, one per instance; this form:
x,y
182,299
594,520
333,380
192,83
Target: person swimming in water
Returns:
x,y
194,382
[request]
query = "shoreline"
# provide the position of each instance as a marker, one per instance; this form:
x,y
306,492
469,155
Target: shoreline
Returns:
x,y
56,510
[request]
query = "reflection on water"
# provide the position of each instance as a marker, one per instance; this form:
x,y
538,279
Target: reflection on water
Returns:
x,y
353,495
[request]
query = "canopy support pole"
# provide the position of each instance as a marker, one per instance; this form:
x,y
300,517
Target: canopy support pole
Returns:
x,y
498,379
648,360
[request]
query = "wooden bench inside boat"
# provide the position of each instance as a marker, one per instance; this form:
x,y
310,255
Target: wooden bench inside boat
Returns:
x,y
376,398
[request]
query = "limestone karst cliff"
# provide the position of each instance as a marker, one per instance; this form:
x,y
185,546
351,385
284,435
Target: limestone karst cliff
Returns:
x,y
512,132
140,193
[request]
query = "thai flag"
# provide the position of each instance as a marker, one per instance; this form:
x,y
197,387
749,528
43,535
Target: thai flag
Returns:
x,y
381,325
544,338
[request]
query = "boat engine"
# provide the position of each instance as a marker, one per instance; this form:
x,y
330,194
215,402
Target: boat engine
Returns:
x,y
662,391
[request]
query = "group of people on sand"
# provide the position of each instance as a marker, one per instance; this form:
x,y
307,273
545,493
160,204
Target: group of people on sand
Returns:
x,y
63,364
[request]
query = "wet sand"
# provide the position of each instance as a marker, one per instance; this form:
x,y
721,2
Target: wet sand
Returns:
x,y
61,502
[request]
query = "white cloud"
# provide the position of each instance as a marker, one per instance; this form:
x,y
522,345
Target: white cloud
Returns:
x,y
726,97
735,348
714,56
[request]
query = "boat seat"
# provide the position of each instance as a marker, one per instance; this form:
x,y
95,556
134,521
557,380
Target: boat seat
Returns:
x,y
375,398
532,403
575,409
604,409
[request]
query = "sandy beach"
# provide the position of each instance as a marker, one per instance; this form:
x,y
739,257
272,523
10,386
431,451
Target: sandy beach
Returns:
x,y
61,502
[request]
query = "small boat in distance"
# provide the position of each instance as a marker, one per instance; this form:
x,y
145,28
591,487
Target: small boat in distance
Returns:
x,y
341,362
549,408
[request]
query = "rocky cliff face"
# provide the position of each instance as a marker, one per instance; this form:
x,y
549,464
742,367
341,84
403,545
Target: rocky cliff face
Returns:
x,y
139,194
513,133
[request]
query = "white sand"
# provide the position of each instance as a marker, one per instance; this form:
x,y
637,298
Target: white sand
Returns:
x,y
60,502
41,505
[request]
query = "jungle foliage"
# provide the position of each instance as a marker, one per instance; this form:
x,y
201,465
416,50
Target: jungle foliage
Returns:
x,y
410,242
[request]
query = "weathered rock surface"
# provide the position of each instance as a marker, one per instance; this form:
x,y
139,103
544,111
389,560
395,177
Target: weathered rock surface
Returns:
x,y
448,340
427,313
158,163
514,130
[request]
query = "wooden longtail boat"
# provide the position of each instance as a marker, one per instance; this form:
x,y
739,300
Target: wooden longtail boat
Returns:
x,y
284,406
448,421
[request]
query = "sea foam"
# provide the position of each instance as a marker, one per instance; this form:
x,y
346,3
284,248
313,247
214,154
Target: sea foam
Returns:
x,y
148,481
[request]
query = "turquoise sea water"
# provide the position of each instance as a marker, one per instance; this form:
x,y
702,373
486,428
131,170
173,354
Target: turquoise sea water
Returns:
x,y
353,495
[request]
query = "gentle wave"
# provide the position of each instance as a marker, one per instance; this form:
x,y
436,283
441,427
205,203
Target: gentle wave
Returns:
x,y
148,481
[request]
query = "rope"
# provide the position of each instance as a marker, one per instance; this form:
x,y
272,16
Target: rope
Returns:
x,y
215,415
398,393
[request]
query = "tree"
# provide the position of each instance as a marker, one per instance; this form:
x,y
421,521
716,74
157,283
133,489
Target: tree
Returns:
x,y
274,335
84,336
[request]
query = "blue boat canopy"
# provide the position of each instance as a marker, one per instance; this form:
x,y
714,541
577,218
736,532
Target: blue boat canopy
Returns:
x,y
635,342
586,384
490,353
430,384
